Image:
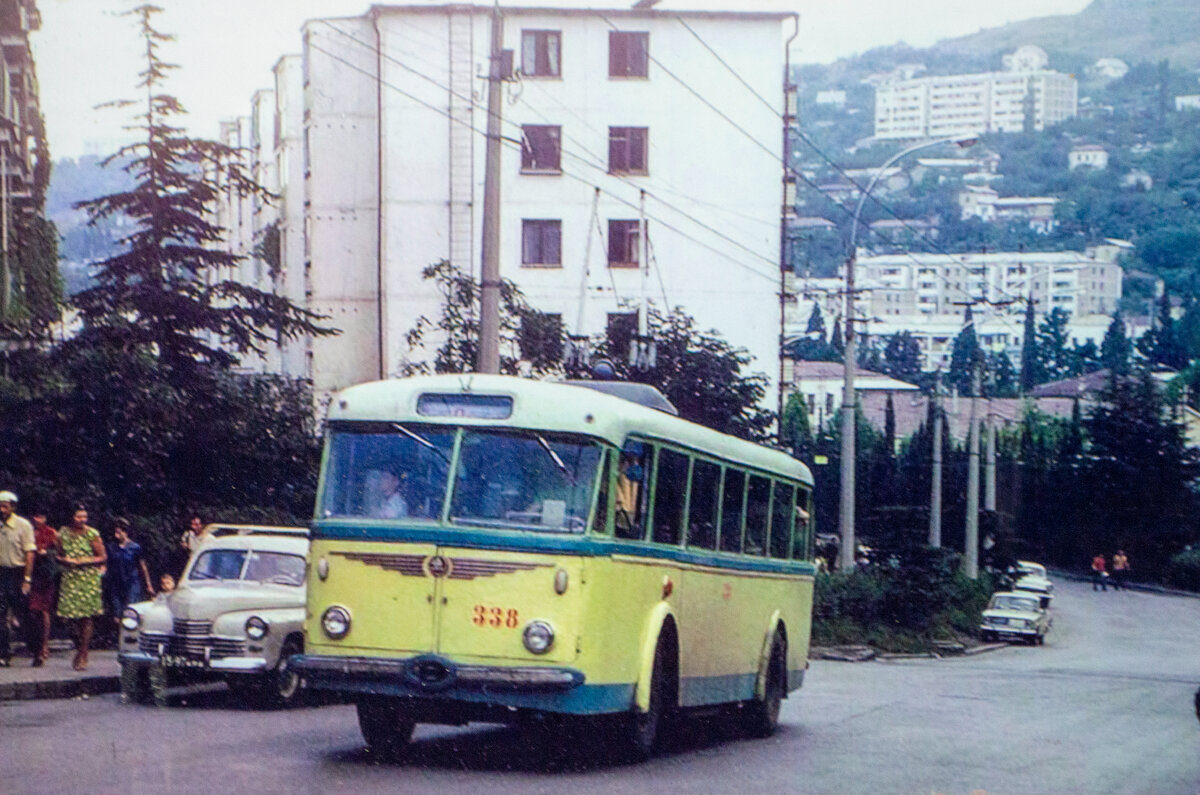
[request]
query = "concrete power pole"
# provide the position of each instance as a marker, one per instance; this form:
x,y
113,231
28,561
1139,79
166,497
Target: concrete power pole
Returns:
x,y
989,466
971,551
849,404
935,489
488,360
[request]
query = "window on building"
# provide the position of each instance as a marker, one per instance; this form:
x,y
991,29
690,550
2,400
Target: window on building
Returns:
x,y
540,338
541,53
624,244
541,149
620,329
541,242
627,150
628,54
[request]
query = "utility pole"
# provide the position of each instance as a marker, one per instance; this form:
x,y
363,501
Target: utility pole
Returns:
x,y
488,360
971,551
846,508
935,489
989,467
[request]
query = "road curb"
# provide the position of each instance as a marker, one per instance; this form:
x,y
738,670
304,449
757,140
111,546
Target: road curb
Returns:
x,y
65,688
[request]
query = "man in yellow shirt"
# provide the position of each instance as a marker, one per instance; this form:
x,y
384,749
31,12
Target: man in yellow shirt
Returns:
x,y
16,568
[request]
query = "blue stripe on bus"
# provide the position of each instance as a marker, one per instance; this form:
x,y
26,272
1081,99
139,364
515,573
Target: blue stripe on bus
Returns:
x,y
582,700
588,546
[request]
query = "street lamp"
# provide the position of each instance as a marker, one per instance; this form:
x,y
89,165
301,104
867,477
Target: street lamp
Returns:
x,y
846,512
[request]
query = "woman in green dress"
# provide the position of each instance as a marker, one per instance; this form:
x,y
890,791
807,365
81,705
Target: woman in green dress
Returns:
x,y
81,553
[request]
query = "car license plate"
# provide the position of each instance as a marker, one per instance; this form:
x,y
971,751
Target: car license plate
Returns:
x,y
998,621
179,661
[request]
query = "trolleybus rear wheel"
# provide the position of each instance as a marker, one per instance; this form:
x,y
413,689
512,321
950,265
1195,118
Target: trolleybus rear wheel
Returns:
x,y
762,717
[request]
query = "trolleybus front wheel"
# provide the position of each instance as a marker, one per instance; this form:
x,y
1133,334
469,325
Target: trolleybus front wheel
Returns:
x,y
643,730
386,726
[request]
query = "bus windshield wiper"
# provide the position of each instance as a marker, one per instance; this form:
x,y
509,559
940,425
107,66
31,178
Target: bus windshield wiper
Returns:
x,y
554,457
421,440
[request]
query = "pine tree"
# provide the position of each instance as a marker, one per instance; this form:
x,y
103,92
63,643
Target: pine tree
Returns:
x,y
164,293
1116,350
965,356
1031,364
816,323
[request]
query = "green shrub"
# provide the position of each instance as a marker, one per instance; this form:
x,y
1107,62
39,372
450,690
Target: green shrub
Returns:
x,y
1183,571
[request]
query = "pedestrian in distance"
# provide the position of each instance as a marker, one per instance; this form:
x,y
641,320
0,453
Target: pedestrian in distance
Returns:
x,y
1099,575
127,579
1120,570
17,548
44,589
81,554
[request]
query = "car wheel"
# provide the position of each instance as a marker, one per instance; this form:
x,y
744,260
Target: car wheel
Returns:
x,y
762,717
135,684
159,679
386,726
985,636
281,687
642,730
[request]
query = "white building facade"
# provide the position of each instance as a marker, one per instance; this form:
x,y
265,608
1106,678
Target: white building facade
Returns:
x,y
973,104
611,119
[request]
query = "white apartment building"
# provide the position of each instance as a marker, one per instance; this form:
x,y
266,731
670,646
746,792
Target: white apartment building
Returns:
x,y
945,106
380,159
926,294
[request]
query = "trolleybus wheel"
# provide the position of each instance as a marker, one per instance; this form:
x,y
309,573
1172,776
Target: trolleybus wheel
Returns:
x,y
762,717
643,729
385,725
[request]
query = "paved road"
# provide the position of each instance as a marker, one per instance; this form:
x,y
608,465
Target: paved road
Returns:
x,y
1104,707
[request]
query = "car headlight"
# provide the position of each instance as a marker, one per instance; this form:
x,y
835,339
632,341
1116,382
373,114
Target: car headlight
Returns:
x,y
130,619
538,637
336,622
257,628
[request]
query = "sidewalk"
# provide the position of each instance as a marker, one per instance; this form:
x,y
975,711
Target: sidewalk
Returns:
x,y
56,678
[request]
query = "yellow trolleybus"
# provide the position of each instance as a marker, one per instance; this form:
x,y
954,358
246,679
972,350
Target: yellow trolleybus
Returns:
x,y
493,548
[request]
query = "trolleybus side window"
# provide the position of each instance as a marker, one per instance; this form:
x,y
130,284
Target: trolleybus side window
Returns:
x,y
670,488
732,503
782,509
802,548
702,505
600,518
758,514
631,494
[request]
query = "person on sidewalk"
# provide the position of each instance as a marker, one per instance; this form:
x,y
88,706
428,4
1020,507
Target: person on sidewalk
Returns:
x,y
1099,575
189,542
81,553
16,569
1120,570
127,579
43,589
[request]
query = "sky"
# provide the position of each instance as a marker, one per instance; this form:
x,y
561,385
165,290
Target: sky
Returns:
x,y
86,52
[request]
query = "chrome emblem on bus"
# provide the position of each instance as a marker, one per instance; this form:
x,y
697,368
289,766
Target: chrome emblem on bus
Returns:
x,y
437,566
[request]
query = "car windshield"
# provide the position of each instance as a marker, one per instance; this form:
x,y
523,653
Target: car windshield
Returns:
x,y
525,479
1014,603
255,565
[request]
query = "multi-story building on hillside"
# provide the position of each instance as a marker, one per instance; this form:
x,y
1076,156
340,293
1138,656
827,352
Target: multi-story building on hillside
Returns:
x,y
614,121
943,106
927,295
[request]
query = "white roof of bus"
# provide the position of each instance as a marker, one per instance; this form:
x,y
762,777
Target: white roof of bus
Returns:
x,y
550,406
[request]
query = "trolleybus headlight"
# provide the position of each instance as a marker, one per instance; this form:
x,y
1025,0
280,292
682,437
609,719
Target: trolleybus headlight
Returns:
x,y
256,628
130,619
538,637
336,622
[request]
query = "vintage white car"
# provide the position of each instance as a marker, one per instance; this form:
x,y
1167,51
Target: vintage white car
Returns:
x,y
1032,577
237,614
1015,615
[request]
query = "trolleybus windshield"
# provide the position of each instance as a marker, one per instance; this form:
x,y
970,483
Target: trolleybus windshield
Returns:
x,y
514,479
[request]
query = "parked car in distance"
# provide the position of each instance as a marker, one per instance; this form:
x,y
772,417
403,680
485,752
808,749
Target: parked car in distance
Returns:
x,y
1015,615
237,615
1032,577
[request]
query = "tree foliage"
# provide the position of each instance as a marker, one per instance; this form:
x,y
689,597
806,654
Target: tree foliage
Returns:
x,y
164,291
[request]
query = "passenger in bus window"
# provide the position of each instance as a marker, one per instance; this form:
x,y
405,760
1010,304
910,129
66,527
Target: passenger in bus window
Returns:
x,y
629,481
